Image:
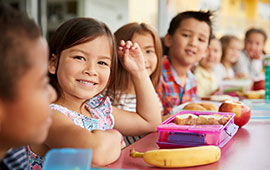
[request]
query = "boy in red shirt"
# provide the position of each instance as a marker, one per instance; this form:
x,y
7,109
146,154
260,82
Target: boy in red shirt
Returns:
x,y
187,41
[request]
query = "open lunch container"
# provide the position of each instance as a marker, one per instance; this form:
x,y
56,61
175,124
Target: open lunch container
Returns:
x,y
171,135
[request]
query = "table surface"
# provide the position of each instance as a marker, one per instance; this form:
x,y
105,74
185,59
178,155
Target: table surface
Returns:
x,y
249,149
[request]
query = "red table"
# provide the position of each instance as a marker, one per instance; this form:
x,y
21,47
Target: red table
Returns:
x,y
249,149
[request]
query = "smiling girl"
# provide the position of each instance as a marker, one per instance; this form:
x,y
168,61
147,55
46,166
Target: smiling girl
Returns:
x,y
82,64
125,97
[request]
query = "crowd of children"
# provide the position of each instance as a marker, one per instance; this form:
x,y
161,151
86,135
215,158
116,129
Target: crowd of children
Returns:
x,y
112,89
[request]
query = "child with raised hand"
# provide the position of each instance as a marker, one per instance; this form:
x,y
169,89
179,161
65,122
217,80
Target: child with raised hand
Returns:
x,y
124,97
187,42
250,63
82,64
206,78
231,48
25,92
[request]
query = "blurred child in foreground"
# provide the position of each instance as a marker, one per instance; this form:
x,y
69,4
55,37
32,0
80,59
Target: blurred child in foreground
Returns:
x,y
25,92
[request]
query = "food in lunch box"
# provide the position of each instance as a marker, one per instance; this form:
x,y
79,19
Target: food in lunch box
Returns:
x,y
204,106
191,119
177,158
185,119
214,119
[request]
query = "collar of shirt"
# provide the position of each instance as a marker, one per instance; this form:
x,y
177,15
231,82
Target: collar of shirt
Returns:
x,y
170,75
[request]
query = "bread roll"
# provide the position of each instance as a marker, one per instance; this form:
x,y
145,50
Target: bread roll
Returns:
x,y
209,106
194,106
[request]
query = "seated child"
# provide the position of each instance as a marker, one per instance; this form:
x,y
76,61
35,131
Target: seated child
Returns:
x,y
206,79
25,92
149,42
83,63
187,41
250,62
231,47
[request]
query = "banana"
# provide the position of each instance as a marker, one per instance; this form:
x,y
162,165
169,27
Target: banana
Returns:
x,y
177,158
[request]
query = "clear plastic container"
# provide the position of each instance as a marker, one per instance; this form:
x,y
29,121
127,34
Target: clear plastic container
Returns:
x,y
171,135
68,159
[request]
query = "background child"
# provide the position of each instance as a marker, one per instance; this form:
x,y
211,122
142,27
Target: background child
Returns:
x,y
231,47
187,41
25,93
83,63
150,44
207,81
250,60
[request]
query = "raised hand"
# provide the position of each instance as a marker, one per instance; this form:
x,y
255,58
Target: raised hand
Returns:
x,y
131,56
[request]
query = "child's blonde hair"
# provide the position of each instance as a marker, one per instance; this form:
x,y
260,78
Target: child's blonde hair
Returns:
x,y
126,32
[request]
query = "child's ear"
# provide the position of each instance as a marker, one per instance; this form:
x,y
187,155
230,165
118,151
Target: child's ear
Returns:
x,y
168,40
53,64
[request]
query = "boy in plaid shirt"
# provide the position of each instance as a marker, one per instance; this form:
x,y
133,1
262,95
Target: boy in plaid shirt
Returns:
x,y
187,42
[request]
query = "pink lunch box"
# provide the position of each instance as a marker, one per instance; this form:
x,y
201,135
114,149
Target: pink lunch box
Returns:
x,y
171,135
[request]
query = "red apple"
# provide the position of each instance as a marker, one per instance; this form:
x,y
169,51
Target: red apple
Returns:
x,y
258,85
241,111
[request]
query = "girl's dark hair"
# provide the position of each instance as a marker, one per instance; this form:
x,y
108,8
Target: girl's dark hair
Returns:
x,y
16,32
256,30
126,33
77,31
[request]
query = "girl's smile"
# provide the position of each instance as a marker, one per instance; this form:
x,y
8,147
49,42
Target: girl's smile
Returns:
x,y
84,69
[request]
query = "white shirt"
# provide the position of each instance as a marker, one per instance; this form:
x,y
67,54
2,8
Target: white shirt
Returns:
x,y
250,67
221,72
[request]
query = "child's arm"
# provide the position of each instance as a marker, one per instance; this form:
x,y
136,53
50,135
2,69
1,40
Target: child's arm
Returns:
x,y
64,133
148,114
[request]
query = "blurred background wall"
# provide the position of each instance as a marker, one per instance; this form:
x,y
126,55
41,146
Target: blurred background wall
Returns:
x,y
231,16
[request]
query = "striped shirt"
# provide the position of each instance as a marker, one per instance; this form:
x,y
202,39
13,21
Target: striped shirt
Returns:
x,y
15,159
170,91
128,103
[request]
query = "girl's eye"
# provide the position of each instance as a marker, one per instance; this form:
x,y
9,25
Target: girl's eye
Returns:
x,y
103,63
202,40
79,58
149,51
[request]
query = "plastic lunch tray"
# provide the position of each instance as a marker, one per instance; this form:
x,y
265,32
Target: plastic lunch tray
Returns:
x,y
171,135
